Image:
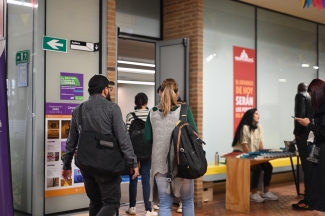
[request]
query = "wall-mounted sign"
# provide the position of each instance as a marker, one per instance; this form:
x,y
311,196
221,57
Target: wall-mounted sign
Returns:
x,y
22,57
84,46
23,75
54,44
244,82
71,86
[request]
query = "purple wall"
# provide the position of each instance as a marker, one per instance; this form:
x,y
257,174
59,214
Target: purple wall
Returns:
x,y
6,208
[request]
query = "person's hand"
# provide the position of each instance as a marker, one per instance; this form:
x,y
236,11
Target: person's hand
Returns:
x,y
66,174
303,121
134,172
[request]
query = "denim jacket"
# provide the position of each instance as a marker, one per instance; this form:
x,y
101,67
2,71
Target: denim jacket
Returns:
x,y
102,116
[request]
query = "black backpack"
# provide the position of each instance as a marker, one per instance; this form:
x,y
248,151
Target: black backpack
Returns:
x,y
188,149
136,132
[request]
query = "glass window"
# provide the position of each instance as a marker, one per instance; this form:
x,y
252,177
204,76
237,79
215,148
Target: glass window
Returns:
x,y
20,38
226,24
321,51
286,56
141,17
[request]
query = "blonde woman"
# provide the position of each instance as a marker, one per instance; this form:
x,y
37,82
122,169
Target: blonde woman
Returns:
x,y
159,126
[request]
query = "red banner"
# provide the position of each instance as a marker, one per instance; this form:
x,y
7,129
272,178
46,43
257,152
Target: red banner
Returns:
x,y
244,82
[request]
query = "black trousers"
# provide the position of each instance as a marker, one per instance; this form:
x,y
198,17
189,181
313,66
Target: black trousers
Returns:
x,y
306,165
104,192
256,171
316,198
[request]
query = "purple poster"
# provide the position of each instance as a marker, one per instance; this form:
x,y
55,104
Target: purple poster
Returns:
x,y
59,108
6,207
71,86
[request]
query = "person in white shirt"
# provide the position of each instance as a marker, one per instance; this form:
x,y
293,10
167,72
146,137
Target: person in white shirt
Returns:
x,y
249,138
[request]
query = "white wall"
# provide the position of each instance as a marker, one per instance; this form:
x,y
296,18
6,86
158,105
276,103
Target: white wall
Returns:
x,y
71,20
126,94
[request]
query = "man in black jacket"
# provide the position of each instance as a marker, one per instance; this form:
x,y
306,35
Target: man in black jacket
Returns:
x,y
102,116
303,109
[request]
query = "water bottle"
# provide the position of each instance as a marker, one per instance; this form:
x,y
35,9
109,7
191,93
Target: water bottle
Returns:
x,y
217,159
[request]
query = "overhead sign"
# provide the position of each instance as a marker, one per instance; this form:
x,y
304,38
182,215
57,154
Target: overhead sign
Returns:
x,y
22,57
84,46
54,44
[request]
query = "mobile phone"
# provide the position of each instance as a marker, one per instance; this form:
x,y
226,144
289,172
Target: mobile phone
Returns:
x,y
293,117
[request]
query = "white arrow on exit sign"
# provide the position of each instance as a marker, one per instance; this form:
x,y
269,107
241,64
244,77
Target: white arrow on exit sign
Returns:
x,y
54,44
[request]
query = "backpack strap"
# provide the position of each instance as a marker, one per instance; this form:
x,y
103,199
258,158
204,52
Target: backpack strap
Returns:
x,y
80,117
134,115
183,113
169,165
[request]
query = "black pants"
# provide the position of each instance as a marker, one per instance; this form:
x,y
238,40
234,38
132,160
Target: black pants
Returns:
x,y
306,165
316,198
104,192
256,171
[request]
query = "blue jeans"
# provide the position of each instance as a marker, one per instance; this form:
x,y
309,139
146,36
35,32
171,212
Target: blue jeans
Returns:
x,y
166,200
145,166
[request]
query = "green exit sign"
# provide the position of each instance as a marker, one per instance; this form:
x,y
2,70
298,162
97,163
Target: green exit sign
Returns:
x,y
54,44
22,57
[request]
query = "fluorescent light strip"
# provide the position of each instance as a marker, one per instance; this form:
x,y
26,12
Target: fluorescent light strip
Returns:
x,y
22,4
135,82
135,63
305,65
134,70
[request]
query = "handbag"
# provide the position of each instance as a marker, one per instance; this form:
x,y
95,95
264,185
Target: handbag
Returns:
x,y
99,151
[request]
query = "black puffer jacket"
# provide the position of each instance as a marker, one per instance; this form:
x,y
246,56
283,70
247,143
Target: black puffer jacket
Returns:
x,y
319,125
303,109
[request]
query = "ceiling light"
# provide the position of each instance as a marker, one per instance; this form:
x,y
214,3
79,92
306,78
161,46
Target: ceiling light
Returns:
x,y
135,82
282,80
136,63
210,57
315,67
305,65
22,3
134,70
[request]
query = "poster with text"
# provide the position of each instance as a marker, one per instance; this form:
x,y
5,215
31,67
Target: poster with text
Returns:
x,y
71,86
244,82
57,125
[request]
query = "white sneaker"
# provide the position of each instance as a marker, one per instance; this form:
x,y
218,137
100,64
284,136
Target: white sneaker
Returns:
x,y
151,213
131,211
256,198
155,207
269,196
180,208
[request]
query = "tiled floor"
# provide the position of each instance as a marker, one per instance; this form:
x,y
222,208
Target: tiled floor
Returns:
x,y
287,196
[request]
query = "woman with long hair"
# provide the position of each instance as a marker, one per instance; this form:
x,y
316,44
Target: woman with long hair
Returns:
x,y
159,126
249,138
316,200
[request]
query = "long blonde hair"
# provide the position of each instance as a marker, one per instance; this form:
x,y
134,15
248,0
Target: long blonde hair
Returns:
x,y
169,89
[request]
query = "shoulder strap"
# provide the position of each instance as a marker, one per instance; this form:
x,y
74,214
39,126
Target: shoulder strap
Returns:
x,y
80,115
134,115
183,113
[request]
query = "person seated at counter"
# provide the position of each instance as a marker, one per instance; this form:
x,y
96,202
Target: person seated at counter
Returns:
x,y
249,138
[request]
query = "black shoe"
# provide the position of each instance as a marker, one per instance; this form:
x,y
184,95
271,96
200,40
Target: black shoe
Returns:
x,y
301,205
